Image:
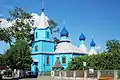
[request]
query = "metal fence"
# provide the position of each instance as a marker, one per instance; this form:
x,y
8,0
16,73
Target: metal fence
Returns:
x,y
86,74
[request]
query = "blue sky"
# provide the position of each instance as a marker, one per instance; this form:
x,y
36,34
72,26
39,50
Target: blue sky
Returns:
x,y
97,18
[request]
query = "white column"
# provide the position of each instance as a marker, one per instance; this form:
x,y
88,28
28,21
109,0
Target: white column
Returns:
x,y
115,75
52,73
74,75
65,74
59,74
18,73
98,74
85,75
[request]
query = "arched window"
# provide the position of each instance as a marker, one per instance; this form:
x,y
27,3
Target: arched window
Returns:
x,y
63,60
36,35
47,34
36,48
48,60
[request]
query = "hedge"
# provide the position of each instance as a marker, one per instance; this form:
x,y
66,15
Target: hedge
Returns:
x,y
103,61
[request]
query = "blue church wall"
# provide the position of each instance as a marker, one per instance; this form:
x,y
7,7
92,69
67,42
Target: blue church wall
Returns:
x,y
42,34
47,47
48,67
64,38
66,55
43,66
43,46
38,57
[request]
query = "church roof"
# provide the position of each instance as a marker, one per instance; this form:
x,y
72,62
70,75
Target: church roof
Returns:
x,y
42,21
65,47
92,51
82,37
64,32
83,48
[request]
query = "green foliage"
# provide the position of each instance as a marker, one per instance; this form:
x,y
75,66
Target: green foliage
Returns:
x,y
118,73
5,35
22,27
52,24
19,30
105,61
4,59
20,55
113,46
100,62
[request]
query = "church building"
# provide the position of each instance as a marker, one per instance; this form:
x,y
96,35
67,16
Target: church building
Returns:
x,y
46,56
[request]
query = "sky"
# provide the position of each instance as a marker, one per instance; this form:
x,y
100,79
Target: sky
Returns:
x,y
97,18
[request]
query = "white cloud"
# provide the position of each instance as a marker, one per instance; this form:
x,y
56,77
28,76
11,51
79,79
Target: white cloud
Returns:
x,y
35,18
6,24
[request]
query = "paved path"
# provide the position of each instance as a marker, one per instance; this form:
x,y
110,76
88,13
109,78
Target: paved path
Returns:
x,y
50,78
45,78
41,78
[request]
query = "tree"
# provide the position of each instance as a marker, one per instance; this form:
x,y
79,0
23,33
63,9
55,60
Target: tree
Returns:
x,y
113,46
5,59
108,60
5,35
20,55
20,29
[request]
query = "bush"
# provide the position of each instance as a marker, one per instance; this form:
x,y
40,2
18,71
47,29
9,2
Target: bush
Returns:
x,y
103,61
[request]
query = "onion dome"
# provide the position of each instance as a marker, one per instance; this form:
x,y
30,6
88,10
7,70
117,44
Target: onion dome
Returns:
x,y
82,37
64,32
92,44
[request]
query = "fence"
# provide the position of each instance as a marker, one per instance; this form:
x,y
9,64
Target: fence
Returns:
x,y
85,75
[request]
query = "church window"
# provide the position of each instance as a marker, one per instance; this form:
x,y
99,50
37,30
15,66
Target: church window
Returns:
x,y
36,34
48,60
36,48
57,57
63,60
47,34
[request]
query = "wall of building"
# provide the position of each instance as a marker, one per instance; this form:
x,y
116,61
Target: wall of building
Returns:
x,y
68,58
39,59
43,46
42,61
42,34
